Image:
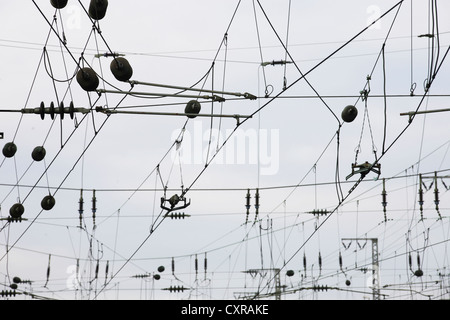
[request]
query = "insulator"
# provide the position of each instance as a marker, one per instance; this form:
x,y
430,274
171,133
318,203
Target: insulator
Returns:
x,y
384,200
257,205
290,273
9,150
61,110
320,288
48,268
94,207
59,4
38,154
8,293
107,269
121,69
52,110
97,9
410,260
94,203
42,110
421,202
173,266
97,269
193,108
418,260
320,261
177,216
161,269
436,194
176,289
196,264
48,203
72,110
206,263
14,220
436,198
304,262
384,195
17,211
247,205
88,79
349,113
81,204
319,212
340,260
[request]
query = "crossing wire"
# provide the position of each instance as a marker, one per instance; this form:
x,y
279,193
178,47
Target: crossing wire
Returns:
x,y
384,151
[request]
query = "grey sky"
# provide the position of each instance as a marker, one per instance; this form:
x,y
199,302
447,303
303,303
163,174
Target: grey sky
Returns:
x,y
130,158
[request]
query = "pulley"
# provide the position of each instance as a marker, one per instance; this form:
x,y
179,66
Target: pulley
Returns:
x,y
349,113
48,203
193,108
17,211
38,154
97,9
88,79
9,150
59,4
121,69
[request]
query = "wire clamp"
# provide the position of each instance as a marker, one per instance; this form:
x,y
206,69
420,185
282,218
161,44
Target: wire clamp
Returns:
x,y
174,201
364,169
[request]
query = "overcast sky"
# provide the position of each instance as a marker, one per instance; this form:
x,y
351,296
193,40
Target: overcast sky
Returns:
x,y
302,152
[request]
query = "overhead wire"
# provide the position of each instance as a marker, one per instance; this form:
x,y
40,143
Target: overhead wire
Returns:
x,y
154,225
194,189
79,158
291,85
377,161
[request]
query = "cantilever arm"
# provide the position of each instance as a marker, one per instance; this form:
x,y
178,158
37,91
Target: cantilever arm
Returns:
x,y
364,169
237,94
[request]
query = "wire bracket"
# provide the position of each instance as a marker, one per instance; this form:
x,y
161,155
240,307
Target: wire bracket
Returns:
x,y
174,202
364,169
